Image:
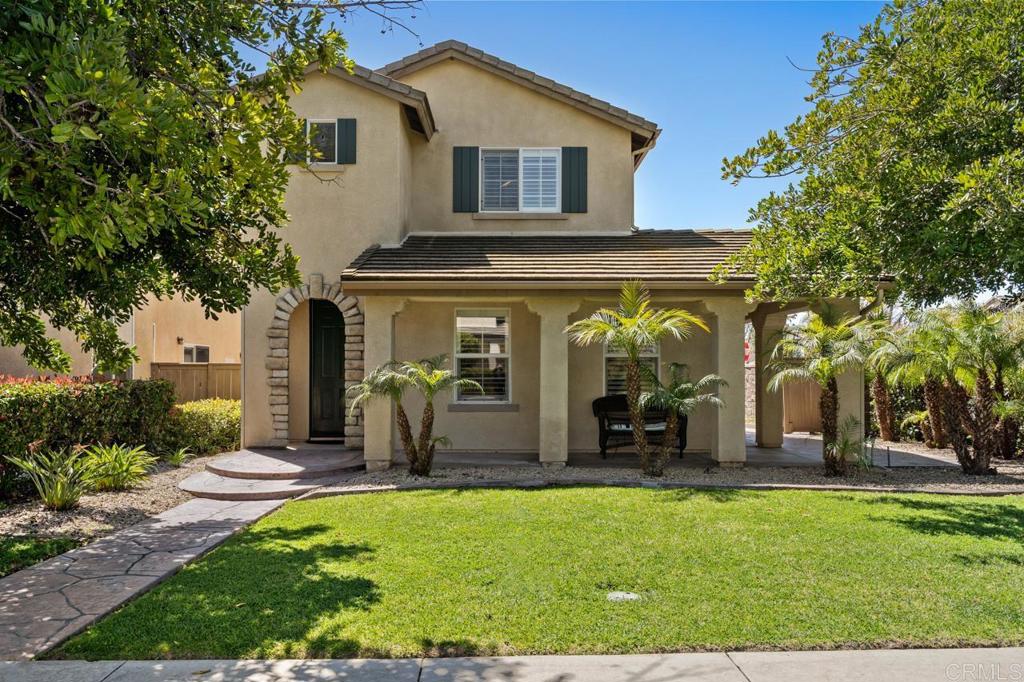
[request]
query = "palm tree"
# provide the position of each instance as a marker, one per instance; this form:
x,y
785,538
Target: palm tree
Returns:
x,y
677,396
879,338
428,378
920,355
819,351
631,328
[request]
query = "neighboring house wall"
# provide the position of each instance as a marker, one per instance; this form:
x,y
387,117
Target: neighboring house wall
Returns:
x,y
477,108
160,324
12,363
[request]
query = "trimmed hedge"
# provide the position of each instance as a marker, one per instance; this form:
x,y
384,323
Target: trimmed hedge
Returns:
x,y
209,426
59,413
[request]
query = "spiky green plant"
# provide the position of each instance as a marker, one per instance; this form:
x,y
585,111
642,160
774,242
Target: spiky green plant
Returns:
x,y
429,378
60,477
820,350
677,396
117,467
632,327
178,457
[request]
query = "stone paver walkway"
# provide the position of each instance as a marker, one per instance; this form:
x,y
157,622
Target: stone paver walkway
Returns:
x,y
900,665
45,604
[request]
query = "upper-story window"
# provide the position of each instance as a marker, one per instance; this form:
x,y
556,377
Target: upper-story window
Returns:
x,y
323,137
526,179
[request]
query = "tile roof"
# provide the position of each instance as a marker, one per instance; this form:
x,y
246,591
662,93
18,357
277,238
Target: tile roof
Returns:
x,y
460,50
651,255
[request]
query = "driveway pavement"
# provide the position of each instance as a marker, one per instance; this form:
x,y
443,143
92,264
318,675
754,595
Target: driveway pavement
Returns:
x,y
913,665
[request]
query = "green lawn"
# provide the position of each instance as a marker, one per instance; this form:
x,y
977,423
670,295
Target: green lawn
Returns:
x,y
17,553
528,572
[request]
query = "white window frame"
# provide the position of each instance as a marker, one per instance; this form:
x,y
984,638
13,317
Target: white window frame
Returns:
x,y
194,346
558,178
309,159
656,354
507,355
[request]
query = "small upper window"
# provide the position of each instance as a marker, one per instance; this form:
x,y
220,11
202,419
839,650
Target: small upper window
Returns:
x,y
194,353
323,137
524,179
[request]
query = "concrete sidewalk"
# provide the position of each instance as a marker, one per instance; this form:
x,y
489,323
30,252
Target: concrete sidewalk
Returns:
x,y
916,665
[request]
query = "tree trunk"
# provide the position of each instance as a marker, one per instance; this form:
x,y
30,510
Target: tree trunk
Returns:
x,y
958,422
883,409
667,445
405,434
1009,428
636,413
934,397
986,435
835,464
425,449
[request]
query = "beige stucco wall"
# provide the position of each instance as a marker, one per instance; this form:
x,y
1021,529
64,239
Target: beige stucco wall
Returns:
x,y
12,363
425,329
298,372
159,325
473,107
336,212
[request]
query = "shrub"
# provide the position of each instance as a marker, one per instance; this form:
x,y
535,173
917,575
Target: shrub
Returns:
x,y
208,426
59,476
117,467
60,413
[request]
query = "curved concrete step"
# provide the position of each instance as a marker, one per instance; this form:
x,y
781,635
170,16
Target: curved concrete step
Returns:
x,y
285,464
215,487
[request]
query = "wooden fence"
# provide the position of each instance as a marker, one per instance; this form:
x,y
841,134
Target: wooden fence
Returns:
x,y
800,407
198,381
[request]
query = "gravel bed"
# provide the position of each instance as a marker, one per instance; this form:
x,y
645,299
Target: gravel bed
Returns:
x,y
1009,480
102,513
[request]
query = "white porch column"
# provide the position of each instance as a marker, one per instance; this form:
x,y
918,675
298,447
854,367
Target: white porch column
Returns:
x,y
768,406
851,382
553,445
378,415
730,447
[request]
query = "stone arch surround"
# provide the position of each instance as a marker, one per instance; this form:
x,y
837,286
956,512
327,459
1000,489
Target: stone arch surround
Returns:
x,y
277,356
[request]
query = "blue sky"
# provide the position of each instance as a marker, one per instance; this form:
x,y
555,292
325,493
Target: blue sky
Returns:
x,y
714,76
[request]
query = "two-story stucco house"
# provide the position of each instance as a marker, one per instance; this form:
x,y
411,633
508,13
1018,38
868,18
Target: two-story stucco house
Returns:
x,y
475,208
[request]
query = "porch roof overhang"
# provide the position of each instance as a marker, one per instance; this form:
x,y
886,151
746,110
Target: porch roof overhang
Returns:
x,y
664,259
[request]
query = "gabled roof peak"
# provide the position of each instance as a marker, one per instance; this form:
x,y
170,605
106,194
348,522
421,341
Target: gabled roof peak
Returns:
x,y
644,132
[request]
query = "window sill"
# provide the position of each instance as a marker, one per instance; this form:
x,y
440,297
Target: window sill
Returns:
x,y
483,407
520,216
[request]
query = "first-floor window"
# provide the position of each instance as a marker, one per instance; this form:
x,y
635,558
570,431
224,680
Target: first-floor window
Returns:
x,y
323,137
482,354
615,369
194,353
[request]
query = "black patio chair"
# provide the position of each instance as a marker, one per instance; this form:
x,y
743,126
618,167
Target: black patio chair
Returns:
x,y
612,412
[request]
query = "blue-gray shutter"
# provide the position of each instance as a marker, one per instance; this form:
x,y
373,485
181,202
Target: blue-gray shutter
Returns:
x,y
574,179
466,179
346,140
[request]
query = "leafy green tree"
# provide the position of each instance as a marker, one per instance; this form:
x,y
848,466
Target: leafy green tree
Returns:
x,y
632,328
141,155
820,350
427,377
677,396
910,161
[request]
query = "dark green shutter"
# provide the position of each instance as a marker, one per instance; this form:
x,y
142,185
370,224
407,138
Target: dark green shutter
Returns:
x,y
346,140
466,179
574,179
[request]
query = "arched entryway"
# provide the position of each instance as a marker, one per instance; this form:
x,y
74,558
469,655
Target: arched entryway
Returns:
x,y
337,353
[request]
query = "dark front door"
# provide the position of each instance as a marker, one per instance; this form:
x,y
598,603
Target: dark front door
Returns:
x,y
327,370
